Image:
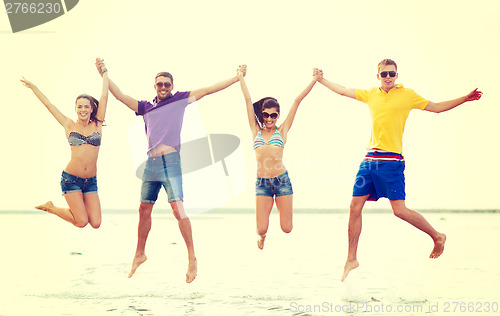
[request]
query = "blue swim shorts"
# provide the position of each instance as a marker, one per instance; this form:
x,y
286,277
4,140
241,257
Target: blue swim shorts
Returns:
x,y
162,171
277,186
381,177
71,183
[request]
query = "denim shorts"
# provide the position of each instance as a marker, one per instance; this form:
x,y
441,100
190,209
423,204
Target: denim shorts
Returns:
x,y
162,171
71,183
277,186
381,179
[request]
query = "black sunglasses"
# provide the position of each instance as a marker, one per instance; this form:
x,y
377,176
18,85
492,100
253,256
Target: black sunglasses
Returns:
x,y
161,84
272,115
391,73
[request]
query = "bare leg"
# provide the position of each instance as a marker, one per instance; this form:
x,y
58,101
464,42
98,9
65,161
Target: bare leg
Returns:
x,y
354,231
285,208
64,213
264,205
93,206
400,210
145,210
76,214
187,234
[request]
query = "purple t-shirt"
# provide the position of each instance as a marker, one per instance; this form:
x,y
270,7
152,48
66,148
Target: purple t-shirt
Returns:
x,y
163,119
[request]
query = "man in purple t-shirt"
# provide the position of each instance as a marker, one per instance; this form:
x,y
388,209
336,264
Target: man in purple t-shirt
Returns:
x,y
163,119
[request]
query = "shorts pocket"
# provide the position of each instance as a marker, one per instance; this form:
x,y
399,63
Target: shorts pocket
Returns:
x,y
258,182
283,179
67,180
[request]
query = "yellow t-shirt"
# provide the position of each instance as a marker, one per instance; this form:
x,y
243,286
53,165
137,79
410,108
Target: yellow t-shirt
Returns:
x,y
389,112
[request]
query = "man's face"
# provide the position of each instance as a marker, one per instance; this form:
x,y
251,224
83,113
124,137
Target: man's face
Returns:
x,y
387,82
163,87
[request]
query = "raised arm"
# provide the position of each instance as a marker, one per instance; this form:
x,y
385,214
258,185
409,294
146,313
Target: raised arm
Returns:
x,y
287,124
132,103
254,126
448,105
339,89
195,95
103,102
65,121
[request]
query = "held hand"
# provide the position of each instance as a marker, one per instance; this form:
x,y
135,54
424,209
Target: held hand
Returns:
x,y
27,83
474,95
317,74
242,71
101,67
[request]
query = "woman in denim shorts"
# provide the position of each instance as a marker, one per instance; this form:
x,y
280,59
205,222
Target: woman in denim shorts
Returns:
x,y
273,183
78,180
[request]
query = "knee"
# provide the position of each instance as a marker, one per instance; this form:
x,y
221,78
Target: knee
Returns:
x,y
81,222
145,209
178,211
286,225
261,231
399,211
355,209
178,215
95,224
287,228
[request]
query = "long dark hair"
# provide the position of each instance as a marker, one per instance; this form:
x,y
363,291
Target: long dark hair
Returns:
x,y
264,103
94,104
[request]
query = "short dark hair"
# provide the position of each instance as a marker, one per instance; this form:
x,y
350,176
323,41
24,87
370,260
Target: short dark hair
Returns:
x,y
165,74
387,62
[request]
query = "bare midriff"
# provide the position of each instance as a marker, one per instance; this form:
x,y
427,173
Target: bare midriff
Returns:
x,y
83,161
161,150
269,161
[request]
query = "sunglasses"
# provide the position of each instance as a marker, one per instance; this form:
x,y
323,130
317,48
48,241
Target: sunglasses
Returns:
x,y
391,73
272,115
161,84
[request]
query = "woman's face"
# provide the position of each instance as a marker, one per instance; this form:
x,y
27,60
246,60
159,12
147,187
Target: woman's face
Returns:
x,y
270,116
83,109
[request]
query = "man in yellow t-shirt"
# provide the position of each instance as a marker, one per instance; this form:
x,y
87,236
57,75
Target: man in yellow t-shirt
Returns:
x,y
381,173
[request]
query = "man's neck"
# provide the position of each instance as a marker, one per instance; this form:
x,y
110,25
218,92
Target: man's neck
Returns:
x,y
388,89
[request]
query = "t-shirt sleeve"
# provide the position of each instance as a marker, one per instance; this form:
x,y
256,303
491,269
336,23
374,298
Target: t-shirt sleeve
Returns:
x,y
417,101
184,96
141,107
362,95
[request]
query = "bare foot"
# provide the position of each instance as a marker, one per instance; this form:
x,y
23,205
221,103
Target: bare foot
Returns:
x,y
45,207
260,242
349,265
138,260
438,246
192,271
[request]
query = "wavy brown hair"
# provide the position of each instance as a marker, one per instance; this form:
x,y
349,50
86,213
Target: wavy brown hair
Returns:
x,y
94,104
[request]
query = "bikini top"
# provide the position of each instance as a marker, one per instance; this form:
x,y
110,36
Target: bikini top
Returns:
x,y
77,139
275,140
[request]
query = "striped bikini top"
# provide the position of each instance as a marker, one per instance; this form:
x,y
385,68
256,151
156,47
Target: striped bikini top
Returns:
x,y
275,140
77,139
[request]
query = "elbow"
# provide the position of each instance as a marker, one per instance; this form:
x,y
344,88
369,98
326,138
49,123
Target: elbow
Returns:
x,y
344,93
440,109
121,97
209,90
204,92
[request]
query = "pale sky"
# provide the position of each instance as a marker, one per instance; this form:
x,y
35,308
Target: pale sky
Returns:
x,y
444,49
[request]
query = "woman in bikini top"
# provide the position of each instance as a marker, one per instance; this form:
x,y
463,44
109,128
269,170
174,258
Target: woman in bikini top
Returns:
x,y
78,181
273,183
